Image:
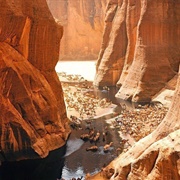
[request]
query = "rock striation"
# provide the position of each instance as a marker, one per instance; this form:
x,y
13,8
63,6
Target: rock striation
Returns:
x,y
157,156
32,110
140,50
83,22
149,65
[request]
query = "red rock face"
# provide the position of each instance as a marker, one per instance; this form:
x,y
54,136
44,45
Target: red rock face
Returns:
x,y
140,51
32,110
83,27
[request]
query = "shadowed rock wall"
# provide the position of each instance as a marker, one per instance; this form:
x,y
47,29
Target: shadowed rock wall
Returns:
x,y
140,50
33,117
83,27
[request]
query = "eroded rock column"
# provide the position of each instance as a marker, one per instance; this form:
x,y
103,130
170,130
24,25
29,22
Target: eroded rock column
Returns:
x,y
150,47
112,54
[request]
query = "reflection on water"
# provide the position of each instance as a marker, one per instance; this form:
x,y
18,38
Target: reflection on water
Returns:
x,y
73,145
69,174
84,68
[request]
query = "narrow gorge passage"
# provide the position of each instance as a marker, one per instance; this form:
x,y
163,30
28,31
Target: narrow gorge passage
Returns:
x,y
110,125
124,122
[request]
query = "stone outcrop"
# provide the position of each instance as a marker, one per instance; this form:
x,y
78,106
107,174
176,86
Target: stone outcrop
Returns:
x,y
32,110
141,48
83,27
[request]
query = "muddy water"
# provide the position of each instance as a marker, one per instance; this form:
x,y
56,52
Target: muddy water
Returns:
x,y
83,68
78,161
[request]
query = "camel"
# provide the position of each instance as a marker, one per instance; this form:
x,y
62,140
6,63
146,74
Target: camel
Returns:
x,y
96,137
104,136
107,146
92,148
84,137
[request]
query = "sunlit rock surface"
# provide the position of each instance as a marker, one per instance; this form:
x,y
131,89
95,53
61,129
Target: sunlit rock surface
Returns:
x,y
83,22
33,118
147,68
141,47
157,156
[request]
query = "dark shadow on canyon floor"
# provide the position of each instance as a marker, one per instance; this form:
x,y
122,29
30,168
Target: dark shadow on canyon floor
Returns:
x,y
49,168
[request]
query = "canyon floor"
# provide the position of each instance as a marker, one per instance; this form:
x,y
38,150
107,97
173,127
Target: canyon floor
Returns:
x,y
126,122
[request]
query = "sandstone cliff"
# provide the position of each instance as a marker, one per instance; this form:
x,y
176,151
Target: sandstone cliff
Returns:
x,y
141,47
155,157
149,63
83,26
32,110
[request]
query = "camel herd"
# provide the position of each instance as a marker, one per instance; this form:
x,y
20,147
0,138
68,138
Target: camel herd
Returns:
x,y
136,122
140,121
83,102
94,137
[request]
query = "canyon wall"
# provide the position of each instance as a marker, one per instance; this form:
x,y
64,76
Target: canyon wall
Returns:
x,y
83,27
157,156
33,118
147,61
141,48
